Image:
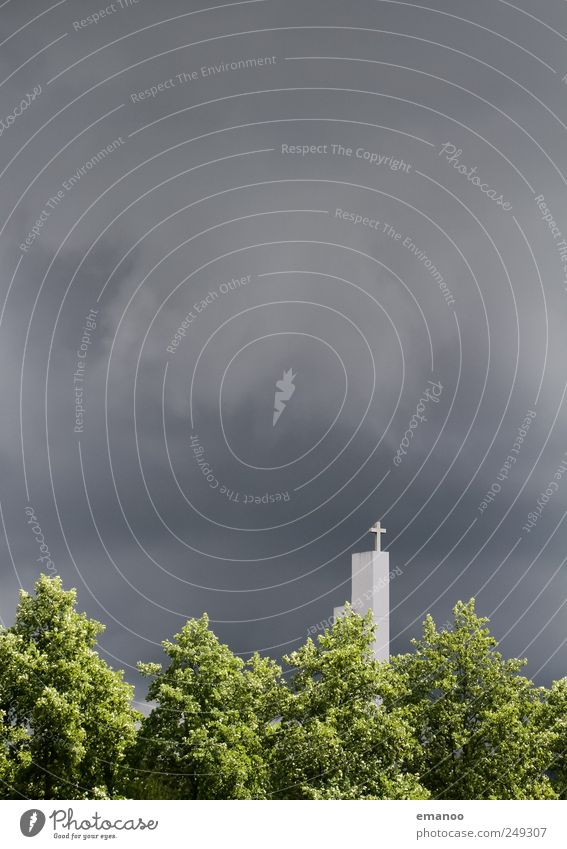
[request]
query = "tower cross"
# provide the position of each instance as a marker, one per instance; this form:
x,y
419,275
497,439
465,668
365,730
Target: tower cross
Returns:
x,y
377,530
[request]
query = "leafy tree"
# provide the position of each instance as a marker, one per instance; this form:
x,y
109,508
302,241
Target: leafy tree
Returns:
x,y
205,737
65,715
554,721
453,719
475,717
10,742
334,739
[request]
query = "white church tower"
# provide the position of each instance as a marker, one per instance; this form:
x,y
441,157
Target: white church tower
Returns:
x,y
370,590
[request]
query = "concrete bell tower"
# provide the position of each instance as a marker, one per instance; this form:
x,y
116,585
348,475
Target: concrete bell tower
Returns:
x,y
370,590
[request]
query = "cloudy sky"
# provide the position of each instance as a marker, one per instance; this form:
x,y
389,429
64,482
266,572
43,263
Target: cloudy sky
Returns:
x,y
197,199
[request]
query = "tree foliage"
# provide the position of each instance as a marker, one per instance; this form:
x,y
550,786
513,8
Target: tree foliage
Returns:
x,y
554,721
65,716
451,719
335,739
475,717
205,737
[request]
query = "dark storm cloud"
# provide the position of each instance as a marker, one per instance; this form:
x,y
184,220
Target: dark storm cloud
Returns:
x,y
144,567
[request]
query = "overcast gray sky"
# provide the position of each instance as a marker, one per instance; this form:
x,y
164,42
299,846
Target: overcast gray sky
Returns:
x,y
196,199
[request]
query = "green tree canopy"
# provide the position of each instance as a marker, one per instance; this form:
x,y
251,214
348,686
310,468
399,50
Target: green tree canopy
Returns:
x,y
451,719
204,739
65,716
475,716
334,739
554,722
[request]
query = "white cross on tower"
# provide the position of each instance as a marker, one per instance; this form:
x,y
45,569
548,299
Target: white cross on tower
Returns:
x,y
377,530
370,589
